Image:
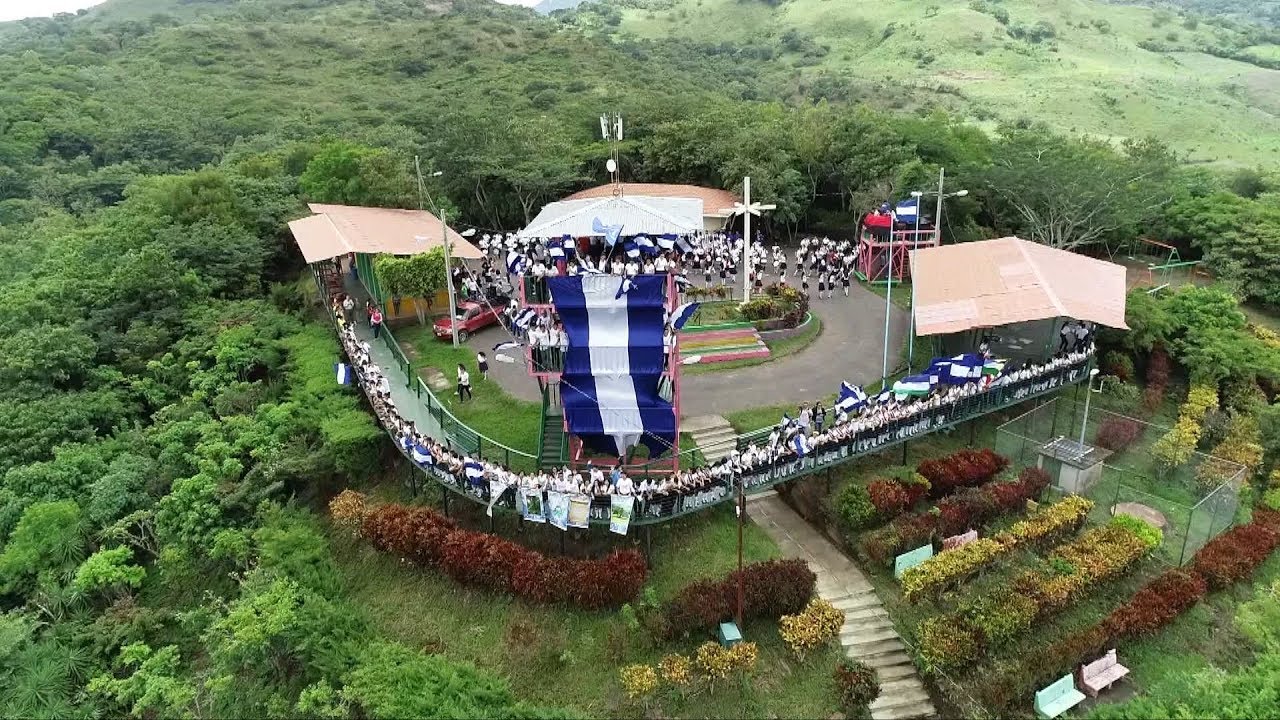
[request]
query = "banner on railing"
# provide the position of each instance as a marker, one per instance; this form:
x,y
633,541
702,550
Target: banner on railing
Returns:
x,y
579,511
532,502
620,513
558,510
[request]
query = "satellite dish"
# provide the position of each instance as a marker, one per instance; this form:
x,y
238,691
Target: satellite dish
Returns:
x,y
611,166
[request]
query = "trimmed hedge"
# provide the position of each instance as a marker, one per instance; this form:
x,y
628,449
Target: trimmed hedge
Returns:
x,y
427,538
771,589
961,469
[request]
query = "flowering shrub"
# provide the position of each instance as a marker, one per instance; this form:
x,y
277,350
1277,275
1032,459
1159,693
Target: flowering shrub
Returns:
x,y
888,497
770,590
743,656
1052,523
961,469
856,685
638,680
348,509
1177,446
950,567
427,538
1157,604
1000,617
1117,433
676,670
812,628
713,661
945,644
1150,535
1241,446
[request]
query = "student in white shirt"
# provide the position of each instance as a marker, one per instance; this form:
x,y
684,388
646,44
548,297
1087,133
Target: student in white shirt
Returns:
x,y
464,384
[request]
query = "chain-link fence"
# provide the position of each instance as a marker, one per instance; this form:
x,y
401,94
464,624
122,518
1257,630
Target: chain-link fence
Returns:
x,y
1107,457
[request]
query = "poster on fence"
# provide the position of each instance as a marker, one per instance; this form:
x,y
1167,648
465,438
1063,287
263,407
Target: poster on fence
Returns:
x,y
496,488
533,511
558,510
579,511
620,513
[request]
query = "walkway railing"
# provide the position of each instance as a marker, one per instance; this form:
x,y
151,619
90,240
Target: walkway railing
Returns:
x,y
460,437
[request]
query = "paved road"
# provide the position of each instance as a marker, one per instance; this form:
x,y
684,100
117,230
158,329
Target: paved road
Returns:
x,y
850,347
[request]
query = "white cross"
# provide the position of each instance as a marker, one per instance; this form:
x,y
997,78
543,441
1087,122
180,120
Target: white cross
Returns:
x,y
746,209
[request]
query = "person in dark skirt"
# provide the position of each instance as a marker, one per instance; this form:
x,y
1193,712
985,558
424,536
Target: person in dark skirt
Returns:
x,y
483,361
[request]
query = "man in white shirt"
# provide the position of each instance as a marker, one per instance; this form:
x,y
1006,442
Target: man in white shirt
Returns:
x,y
625,486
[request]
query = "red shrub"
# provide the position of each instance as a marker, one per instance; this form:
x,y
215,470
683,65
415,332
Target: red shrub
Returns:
x,y
889,498
608,582
1158,367
770,590
1235,554
1117,433
960,469
1156,605
483,560
1266,517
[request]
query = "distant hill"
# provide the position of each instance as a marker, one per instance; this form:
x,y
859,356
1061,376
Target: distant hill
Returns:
x,y
1209,86
546,7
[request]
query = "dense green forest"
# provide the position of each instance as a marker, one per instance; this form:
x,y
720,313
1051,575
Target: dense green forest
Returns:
x,y
168,417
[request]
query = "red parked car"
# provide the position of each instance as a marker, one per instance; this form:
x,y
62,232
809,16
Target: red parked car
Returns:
x,y
472,316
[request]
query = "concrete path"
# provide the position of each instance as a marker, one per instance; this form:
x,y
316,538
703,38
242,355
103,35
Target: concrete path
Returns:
x,y
850,348
868,633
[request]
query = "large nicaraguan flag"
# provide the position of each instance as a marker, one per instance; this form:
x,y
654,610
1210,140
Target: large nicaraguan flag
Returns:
x,y
614,361
966,367
914,386
939,368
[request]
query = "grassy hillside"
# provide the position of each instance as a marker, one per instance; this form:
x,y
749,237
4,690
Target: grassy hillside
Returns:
x,y
1108,70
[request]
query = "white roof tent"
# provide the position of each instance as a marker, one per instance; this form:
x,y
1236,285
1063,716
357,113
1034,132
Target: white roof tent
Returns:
x,y
636,215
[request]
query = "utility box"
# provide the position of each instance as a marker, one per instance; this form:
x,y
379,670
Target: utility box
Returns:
x,y
729,634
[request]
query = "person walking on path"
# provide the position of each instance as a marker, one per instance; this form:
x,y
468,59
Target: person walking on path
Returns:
x,y
348,307
482,361
464,384
1067,336
375,321
819,416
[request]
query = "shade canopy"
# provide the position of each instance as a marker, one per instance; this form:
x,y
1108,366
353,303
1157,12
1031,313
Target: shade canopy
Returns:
x,y
336,230
636,215
1008,280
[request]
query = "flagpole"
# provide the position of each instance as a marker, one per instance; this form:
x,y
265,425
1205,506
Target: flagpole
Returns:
x,y
888,299
911,331
746,240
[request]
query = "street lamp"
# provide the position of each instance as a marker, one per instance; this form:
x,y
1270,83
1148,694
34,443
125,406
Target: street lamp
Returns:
x,y
1092,374
937,233
444,238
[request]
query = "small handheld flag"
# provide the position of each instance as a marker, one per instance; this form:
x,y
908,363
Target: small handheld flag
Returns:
x,y
799,445
474,471
343,371
682,314
908,209
610,232
515,263
624,287
422,455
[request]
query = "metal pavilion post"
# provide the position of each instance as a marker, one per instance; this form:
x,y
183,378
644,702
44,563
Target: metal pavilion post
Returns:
x,y
888,301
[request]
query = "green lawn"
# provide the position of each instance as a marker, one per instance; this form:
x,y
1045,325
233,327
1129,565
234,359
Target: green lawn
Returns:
x,y
563,657
512,422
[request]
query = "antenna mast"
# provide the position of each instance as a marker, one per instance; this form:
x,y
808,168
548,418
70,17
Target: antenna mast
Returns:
x,y
611,132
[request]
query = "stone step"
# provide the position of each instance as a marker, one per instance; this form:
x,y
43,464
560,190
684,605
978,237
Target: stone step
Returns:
x,y
901,685
906,712
889,660
859,601
891,700
865,653
867,625
893,672
855,640
865,614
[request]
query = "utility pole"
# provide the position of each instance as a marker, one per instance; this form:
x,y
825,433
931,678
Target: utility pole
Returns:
x,y
448,279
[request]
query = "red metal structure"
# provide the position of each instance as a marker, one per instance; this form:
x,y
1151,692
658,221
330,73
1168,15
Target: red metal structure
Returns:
x,y
531,293
880,247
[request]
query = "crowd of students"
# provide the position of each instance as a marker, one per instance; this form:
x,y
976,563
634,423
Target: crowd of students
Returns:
x,y
790,440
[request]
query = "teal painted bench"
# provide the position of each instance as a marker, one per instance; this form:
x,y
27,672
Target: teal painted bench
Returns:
x,y
908,560
1058,698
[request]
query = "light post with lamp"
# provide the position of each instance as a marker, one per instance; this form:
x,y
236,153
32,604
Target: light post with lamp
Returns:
x,y
1085,422
444,239
937,231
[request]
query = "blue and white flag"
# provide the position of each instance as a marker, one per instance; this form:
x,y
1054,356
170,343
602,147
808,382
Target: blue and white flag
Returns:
x,y
799,445
966,367
422,455
681,282
515,263
786,421
646,245
614,361
474,472
343,371
508,345
525,317
914,386
684,244
610,232
939,368
682,314
631,249
907,210
851,397
666,242
555,249
569,245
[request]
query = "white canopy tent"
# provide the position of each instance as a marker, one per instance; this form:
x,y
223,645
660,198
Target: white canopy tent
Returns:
x,y
636,215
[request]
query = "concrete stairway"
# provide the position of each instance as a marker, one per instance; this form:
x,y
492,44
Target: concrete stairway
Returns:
x,y
713,434
867,634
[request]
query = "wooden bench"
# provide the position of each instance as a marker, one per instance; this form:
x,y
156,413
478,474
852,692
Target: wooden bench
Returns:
x,y
1058,698
960,540
1101,673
